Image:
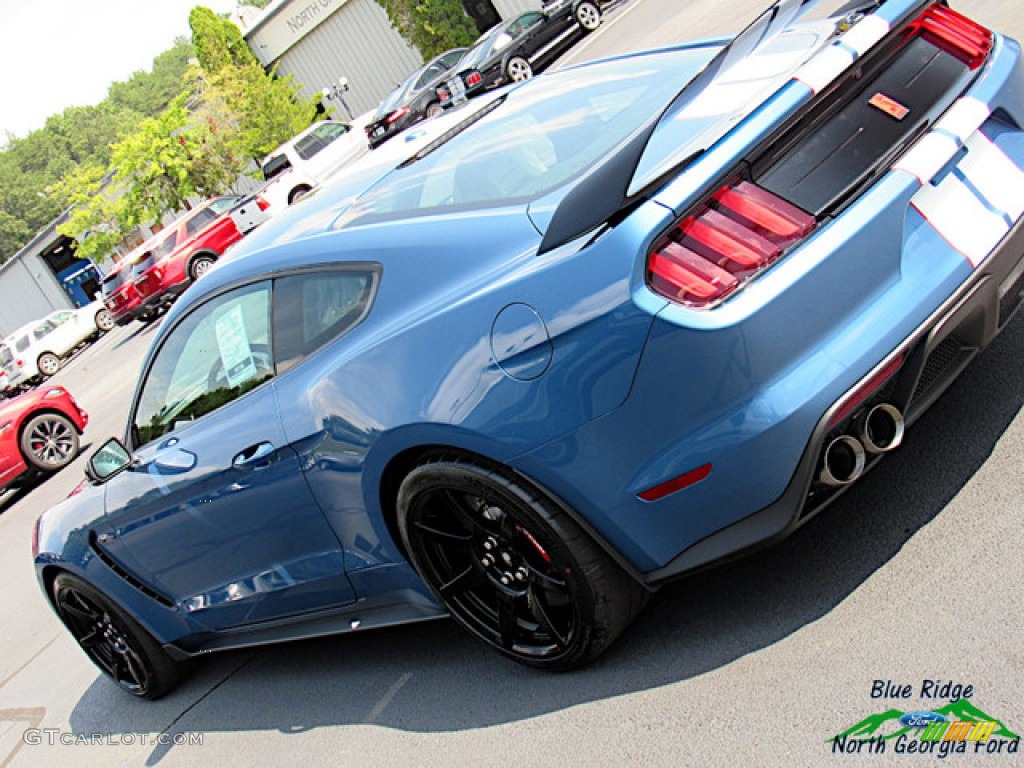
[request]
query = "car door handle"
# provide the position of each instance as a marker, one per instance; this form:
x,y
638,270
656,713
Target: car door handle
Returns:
x,y
254,457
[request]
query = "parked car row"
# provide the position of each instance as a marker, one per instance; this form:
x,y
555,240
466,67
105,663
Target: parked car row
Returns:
x,y
509,52
151,277
34,352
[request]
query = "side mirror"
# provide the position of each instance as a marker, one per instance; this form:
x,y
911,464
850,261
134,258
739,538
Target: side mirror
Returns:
x,y
110,459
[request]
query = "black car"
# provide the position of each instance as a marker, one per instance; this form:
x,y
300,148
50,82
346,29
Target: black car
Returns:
x,y
515,49
413,100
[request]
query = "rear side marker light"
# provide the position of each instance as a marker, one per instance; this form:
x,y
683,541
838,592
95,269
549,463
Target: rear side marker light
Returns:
x,y
738,232
261,203
955,34
685,480
473,78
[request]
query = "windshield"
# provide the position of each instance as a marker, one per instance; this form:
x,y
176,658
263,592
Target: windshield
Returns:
x,y
540,138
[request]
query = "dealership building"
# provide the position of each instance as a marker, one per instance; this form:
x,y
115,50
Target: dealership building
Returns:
x,y
324,42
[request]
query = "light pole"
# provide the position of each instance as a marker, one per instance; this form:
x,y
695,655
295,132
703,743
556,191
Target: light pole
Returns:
x,y
337,91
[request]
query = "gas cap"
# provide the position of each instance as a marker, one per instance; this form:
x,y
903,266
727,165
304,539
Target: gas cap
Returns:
x,y
520,342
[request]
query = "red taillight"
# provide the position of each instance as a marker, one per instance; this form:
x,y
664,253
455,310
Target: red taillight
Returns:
x,y
443,95
397,115
739,231
955,34
261,203
473,78
21,363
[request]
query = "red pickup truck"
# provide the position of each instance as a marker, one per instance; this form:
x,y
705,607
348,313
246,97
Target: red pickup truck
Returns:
x,y
181,252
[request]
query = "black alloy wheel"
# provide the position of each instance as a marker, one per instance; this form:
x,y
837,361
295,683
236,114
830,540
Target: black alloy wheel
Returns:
x,y
511,567
114,642
49,442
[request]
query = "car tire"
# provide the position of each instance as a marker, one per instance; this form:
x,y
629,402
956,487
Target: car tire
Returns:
x,y
114,641
434,109
201,265
298,193
48,364
104,321
518,69
511,567
588,16
49,442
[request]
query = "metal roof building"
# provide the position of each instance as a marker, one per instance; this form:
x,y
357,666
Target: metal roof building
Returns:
x,y
320,42
43,276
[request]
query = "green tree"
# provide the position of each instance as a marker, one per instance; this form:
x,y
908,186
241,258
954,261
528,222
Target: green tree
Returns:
x,y
253,110
256,3
218,43
167,161
257,110
13,234
96,211
149,92
432,26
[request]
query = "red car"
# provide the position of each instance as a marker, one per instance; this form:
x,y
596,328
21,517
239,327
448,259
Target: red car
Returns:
x,y
119,294
179,255
39,431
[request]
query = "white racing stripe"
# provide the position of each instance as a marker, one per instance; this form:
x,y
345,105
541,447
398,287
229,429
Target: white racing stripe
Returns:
x,y
825,67
821,70
974,207
863,35
938,147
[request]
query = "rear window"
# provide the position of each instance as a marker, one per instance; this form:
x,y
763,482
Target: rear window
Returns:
x,y
544,135
6,356
113,281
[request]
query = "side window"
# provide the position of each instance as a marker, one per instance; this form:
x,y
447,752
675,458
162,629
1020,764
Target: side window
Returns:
x,y
314,308
215,355
22,343
42,329
434,70
199,222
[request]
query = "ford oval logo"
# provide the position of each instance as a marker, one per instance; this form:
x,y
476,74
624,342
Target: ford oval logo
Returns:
x,y
921,719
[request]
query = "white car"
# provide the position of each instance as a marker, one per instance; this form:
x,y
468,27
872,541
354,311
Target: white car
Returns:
x,y
307,160
35,351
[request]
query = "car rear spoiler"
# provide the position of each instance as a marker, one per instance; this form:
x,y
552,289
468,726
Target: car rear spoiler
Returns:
x,y
654,153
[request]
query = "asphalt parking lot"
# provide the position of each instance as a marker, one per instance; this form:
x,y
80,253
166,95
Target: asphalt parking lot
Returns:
x,y
913,577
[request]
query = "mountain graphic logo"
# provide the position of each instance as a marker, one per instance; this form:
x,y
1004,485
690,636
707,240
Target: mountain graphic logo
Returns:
x,y
886,725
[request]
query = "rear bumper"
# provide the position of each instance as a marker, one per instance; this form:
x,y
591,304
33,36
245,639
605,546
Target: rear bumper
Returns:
x,y
749,388
934,355
160,300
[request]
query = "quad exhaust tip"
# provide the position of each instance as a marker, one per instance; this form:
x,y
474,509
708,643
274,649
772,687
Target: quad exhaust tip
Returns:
x,y
882,429
843,461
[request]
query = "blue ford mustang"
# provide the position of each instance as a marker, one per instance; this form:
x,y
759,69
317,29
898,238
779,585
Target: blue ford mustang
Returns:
x,y
618,323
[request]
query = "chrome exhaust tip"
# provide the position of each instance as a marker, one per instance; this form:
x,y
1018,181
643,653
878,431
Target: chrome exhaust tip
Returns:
x,y
882,429
843,461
